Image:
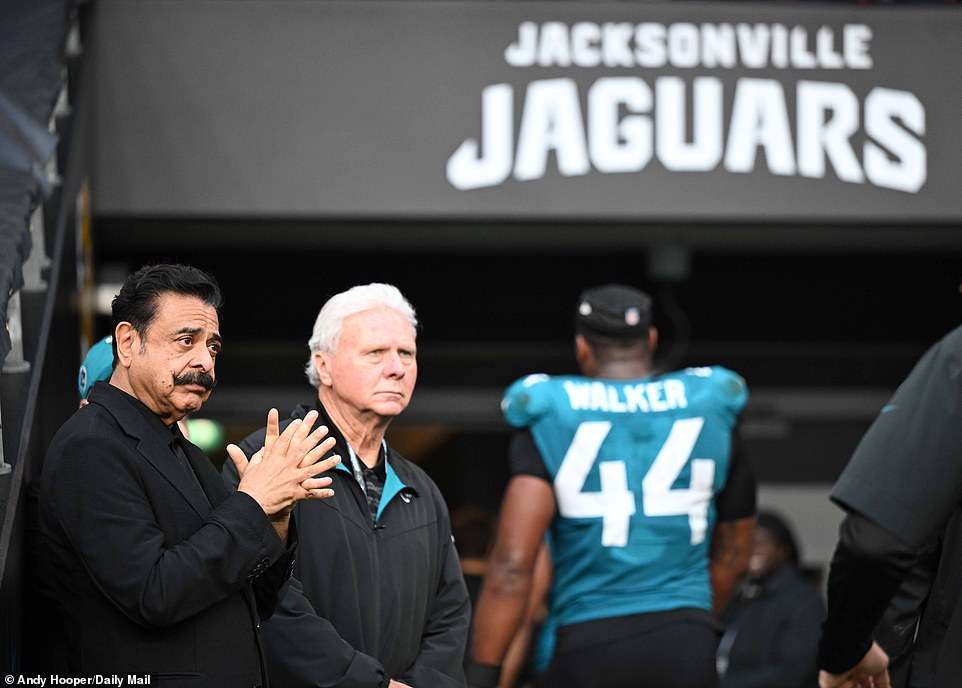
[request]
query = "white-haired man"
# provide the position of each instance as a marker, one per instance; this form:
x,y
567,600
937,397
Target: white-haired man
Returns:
x,y
378,599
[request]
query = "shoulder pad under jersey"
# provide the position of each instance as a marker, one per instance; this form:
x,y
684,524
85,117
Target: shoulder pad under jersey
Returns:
x,y
526,399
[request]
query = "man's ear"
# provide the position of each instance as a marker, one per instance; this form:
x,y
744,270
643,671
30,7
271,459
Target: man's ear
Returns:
x,y
126,338
652,340
322,368
584,355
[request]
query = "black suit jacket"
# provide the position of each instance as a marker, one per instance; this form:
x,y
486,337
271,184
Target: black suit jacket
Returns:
x,y
154,577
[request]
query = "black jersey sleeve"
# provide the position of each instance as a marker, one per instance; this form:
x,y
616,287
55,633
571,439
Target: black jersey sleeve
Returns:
x,y
869,564
738,499
524,458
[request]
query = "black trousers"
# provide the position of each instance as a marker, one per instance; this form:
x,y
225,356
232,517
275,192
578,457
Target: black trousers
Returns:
x,y
674,649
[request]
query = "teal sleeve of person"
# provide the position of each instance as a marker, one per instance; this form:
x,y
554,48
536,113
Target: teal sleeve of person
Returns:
x,y
728,386
523,403
736,389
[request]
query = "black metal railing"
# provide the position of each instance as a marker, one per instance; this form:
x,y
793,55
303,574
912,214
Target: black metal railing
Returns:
x,y
37,389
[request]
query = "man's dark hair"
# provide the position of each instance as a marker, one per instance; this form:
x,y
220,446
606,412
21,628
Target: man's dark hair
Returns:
x,y
137,301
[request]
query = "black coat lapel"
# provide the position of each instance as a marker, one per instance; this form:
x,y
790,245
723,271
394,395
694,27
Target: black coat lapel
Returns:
x,y
210,480
161,456
153,443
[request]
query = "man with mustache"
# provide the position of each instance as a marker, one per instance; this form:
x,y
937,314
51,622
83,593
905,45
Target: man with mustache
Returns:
x,y
377,599
159,569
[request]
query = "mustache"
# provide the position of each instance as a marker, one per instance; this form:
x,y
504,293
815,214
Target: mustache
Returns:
x,y
196,378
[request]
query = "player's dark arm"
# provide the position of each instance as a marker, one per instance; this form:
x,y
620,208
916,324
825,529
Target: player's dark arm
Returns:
x,y
526,511
731,543
520,647
731,548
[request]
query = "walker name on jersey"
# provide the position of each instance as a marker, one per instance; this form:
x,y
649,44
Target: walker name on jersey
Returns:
x,y
644,397
692,121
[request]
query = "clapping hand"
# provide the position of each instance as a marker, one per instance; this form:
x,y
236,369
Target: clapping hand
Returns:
x,y
284,471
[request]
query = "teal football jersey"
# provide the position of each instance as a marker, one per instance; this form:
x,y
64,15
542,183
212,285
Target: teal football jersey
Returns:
x,y
636,466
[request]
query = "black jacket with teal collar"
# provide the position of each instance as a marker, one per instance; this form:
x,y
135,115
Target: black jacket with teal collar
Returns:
x,y
369,601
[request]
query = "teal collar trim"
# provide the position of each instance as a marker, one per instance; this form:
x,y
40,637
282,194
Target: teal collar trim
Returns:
x,y
392,486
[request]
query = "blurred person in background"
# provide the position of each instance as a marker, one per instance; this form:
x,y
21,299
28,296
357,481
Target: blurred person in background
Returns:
x,y
97,365
900,542
530,649
473,530
647,511
377,599
773,621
